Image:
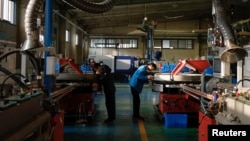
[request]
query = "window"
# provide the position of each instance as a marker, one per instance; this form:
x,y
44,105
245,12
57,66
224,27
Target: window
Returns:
x,y
67,36
189,43
7,9
177,44
77,39
110,43
165,43
113,42
181,43
157,43
97,43
128,43
173,44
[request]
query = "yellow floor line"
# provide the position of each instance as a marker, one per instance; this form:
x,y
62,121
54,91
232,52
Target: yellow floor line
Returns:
x,y
143,133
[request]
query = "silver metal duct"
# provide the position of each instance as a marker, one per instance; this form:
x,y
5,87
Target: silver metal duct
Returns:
x,y
92,7
31,15
233,52
30,25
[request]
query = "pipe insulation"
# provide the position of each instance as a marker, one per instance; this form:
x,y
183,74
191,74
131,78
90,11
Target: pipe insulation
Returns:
x,y
92,7
233,52
222,21
31,15
30,24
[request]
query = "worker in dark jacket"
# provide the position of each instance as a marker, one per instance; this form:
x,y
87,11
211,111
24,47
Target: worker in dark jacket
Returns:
x,y
136,83
106,81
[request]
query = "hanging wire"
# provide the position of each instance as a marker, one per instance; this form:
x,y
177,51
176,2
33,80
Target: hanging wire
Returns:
x,y
3,83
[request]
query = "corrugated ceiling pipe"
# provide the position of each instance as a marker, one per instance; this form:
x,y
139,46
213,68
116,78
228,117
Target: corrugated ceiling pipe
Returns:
x,y
222,21
30,24
92,7
233,52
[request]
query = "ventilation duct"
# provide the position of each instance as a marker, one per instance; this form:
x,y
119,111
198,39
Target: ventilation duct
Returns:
x,y
30,24
92,7
31,15
233,52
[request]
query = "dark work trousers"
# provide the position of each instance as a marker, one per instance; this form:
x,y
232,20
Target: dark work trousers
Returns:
x,y
109,92
136,102
110,104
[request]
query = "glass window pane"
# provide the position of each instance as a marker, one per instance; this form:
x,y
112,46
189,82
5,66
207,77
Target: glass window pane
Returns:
x,y
1,9
97,43
157,43
165,44
189,44
77,39
182,44
11,12
67,36
5,10
126,43
173,44
134,43
110,43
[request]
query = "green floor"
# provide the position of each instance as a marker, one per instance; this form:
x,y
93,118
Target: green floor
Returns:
x,y
124,128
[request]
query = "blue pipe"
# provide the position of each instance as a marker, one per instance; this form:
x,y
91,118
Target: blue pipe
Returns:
x,y
48,41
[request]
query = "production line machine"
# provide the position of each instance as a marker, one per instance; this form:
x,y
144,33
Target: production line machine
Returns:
x,y
224,106
187,94
213,100
172,99
27,112
30,112
78,105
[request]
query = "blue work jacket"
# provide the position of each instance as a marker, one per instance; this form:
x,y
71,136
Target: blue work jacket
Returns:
x,y
139,77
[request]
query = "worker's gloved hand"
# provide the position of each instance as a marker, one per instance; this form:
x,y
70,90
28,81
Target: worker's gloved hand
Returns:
x,y
150,77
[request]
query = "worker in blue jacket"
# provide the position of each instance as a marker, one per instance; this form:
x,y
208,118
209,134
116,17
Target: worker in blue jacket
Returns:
x,y
136,83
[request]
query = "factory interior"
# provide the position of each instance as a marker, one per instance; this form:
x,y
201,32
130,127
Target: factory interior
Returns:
x,y
48,47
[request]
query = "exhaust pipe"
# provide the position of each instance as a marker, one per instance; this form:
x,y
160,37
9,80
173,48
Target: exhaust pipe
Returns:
x,y
233,52
30,25
92,7
31,14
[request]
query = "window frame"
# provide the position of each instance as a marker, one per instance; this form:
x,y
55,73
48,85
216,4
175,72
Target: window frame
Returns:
x,y
177,44
117,43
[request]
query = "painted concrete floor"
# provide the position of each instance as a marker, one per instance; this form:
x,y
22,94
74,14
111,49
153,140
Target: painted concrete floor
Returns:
x,y
124,128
